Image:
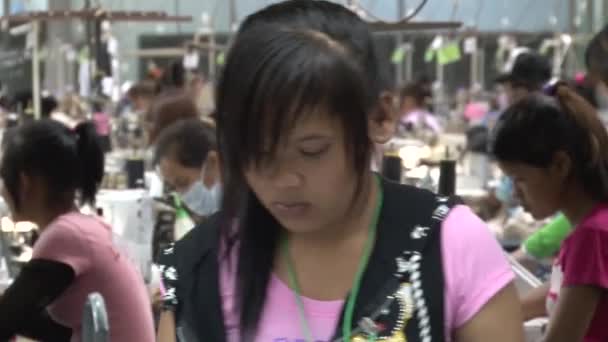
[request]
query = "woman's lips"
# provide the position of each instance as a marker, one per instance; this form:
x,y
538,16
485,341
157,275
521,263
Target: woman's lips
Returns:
x,y
290,209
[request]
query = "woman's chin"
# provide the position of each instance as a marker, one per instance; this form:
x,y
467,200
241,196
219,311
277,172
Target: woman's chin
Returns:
x,y
301,227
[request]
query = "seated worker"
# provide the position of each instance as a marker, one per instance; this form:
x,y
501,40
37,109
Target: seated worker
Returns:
x,y
414,113
142,96
545,242
168,109
45,168
188,163
564,175
529,75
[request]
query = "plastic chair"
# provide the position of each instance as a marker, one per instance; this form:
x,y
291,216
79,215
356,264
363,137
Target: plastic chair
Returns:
x,y
95,325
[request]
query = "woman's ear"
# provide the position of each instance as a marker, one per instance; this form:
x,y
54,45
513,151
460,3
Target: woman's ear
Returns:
x,y
561,166
25,183
383,119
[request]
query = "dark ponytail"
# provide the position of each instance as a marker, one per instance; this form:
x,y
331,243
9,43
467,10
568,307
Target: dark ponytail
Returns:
x,y
91,157
69,161
594,173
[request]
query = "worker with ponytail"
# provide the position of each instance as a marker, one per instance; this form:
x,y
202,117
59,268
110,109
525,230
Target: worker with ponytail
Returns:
x,y
47,171
555,149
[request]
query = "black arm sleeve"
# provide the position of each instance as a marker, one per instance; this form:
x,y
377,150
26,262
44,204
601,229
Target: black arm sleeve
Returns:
x,y
23,304
44,328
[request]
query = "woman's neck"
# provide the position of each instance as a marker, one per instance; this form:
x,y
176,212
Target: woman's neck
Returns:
x,y
46,217
577,205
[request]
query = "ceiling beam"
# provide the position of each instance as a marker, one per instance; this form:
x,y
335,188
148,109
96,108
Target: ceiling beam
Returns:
x,y
94,14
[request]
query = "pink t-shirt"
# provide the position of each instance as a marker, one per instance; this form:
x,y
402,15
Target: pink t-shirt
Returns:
x,y
474,266
422,117
85,243
583,260
102,123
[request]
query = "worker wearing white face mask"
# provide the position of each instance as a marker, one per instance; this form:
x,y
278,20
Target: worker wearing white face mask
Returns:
x,y
201,199
188,162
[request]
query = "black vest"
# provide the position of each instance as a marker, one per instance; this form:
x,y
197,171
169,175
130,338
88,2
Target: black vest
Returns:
x,y
402,290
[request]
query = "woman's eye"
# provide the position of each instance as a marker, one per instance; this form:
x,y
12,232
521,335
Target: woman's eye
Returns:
x,y
314,152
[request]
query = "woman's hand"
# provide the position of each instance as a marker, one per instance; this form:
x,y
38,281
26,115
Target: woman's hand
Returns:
x,y
534,304
156,300
500,320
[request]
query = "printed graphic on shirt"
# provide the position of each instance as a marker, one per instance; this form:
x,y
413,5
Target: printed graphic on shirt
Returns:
x,y
393,319
390,322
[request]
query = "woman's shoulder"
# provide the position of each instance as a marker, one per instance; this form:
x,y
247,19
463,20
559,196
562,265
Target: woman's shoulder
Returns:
x,y
462,225
197,243
181,259
464,235
202,235
474,264
76,225
72,239
596,220
398,192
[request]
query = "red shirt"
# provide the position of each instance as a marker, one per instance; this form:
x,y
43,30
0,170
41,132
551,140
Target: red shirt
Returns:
x,y
583,261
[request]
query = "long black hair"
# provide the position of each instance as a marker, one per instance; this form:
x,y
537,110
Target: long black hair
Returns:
x,y
273,77
71,162
535,128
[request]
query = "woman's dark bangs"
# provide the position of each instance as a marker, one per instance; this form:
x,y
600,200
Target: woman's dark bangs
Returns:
x,y
294,83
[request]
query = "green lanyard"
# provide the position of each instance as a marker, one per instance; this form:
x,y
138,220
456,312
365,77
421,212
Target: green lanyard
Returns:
x,y
350,304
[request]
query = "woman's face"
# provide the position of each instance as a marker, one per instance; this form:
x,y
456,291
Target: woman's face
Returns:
x,y
537,189
408,104
178,176
309,183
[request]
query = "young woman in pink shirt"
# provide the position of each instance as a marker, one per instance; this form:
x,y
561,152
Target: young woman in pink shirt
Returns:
x,y
311,245
47,169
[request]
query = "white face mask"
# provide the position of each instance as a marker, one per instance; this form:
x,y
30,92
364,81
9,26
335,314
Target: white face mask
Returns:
x,y
202,200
